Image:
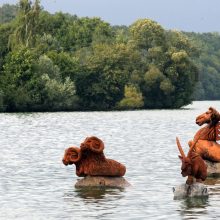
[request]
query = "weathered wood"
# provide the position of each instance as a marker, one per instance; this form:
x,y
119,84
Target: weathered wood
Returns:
x,y
100,181
90,160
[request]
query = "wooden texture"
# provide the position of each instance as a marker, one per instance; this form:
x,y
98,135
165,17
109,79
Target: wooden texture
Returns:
x,y
193,166
205,139
91,161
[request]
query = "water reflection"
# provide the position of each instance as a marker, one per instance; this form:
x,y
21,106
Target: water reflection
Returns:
x,y
198,207
35,185
95,194
213,186
194,208
93,202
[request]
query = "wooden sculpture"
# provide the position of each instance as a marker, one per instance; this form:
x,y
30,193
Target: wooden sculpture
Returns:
x,y
193,165
205,139
202,147
90,160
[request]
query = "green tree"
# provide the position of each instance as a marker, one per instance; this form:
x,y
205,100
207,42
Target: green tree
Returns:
x,y
133,98
7,13
169,75
5,31
27,24
208,65
146,33
83,32
68,65
33,83
17,71
104,73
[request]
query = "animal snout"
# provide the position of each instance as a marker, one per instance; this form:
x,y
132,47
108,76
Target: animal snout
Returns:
x,y
184,174
199,120
64,162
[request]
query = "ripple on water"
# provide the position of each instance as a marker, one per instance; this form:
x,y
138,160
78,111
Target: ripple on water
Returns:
x,y
35,185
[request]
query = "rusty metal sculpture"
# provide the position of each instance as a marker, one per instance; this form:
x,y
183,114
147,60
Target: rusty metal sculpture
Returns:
x,y
202,147
205,140
193,165
91,161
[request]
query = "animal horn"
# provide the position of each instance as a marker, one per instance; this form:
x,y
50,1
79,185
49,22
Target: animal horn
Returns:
x,y
75,154
180,147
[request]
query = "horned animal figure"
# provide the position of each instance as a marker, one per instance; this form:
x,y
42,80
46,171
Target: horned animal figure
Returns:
x,y
90,159
193,165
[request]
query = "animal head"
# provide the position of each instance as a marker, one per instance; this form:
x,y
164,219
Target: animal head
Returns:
x,y
92,143
211,117
186,167
71,155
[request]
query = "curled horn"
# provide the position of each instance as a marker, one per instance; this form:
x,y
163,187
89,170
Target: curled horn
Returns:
x,y
180,147
75,154
97,147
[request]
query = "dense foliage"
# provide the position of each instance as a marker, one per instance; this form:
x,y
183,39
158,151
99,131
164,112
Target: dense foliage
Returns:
x,y
54,62
208,65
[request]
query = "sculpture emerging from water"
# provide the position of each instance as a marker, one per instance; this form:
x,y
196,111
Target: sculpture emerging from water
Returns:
x,y
202,147
91,161
205,139
193,165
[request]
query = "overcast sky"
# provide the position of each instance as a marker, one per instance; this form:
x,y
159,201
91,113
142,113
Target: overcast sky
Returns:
x,y
185,15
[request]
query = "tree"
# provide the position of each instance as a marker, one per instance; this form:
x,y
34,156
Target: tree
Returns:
x,y
133,98
8,13
83,33
68,65
169,74
27,24
208,65
146,33
104,73
5,31
31,82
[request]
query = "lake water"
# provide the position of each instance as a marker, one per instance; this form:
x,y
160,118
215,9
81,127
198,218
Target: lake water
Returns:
x,y
34,184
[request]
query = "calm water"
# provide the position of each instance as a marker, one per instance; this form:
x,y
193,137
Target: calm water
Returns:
x,y
34,184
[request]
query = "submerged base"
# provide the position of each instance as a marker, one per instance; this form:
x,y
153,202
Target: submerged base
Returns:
x,y
101,181
185,190
213,168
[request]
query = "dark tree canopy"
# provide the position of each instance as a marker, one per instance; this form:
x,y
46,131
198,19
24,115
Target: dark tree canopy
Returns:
x,y
51,62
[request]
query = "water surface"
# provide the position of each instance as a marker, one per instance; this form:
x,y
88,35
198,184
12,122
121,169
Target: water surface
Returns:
x,y
34,184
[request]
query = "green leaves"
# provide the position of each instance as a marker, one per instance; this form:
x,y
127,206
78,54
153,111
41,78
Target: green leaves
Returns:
x,y
26,24
62,62
147,33
104,73
133,98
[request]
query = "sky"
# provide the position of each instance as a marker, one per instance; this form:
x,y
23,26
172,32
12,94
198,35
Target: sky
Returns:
x,y
183,15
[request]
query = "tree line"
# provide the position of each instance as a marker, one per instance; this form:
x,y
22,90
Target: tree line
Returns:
x,y
60,62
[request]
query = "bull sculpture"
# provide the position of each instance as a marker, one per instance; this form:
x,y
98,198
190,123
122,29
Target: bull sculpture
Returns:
x,y
90,160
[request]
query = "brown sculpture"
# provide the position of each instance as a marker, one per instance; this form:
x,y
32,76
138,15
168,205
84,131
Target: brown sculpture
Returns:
x,y
193,165
205,139
202,147
91,161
